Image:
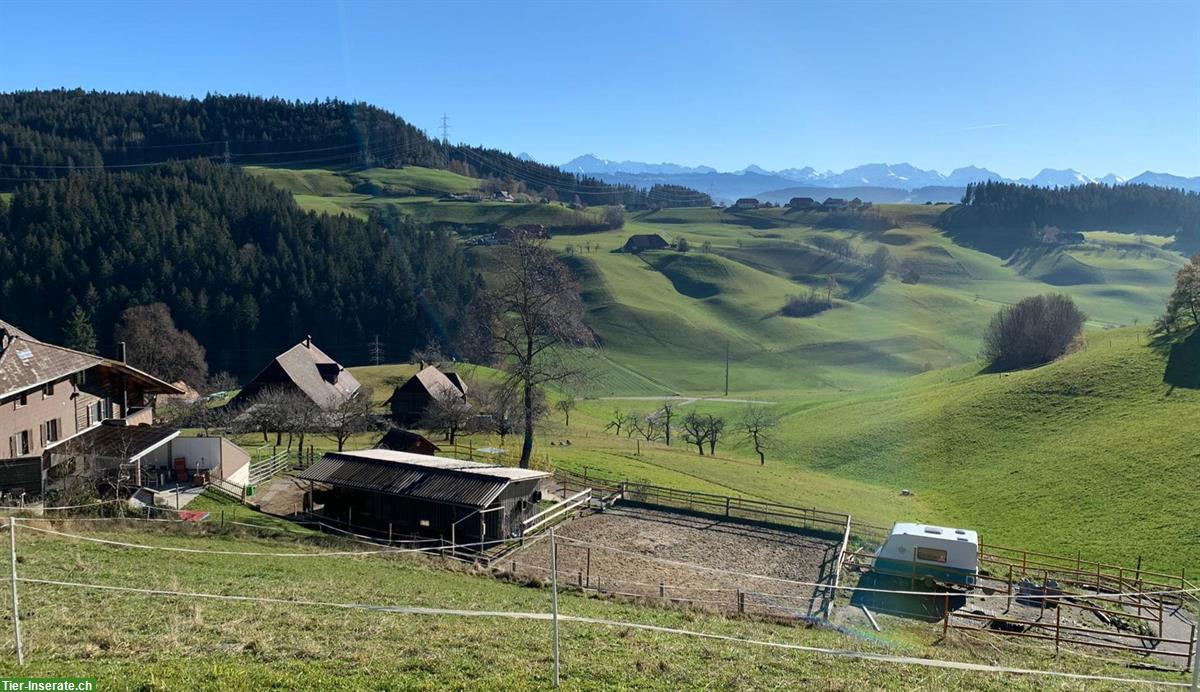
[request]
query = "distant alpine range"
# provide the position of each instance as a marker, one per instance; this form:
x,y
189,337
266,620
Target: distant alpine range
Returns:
x,y
879,182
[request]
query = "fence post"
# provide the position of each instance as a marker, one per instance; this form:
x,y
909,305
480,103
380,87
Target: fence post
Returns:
x,y
726,505
1194,660
662,590
588,567
741,602
16,613
554,597
1009,606
946,614
1057,626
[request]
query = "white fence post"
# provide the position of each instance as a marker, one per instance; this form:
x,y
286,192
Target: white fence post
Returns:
x,y
554,597
16,614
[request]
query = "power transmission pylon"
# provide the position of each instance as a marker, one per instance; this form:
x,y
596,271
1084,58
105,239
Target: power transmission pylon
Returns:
x,y
375,351
445,129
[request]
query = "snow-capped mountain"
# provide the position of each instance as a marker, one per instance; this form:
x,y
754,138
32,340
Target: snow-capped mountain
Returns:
x,y
900,176
1050,177
1167,180
591,164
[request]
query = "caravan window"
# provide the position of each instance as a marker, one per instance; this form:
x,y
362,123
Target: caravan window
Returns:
x,y
931,554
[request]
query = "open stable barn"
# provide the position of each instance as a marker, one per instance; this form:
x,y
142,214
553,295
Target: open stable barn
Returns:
x,y
421,495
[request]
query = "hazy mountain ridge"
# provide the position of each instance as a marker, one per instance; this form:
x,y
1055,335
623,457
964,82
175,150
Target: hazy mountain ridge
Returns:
x,y
900,176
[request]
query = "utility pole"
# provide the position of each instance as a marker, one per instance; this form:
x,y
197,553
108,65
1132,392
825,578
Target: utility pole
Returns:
x,y
228,157
375,351
726,367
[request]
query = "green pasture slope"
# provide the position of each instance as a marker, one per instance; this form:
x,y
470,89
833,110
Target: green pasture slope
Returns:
x,y
669,317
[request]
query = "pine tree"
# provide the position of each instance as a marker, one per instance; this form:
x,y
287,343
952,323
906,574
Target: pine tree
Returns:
x,y
78,333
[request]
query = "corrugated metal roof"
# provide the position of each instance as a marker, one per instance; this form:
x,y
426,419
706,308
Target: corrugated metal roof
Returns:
x,y
117,441
416,475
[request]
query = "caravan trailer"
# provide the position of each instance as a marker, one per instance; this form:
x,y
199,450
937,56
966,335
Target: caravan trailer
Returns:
x,y
930,553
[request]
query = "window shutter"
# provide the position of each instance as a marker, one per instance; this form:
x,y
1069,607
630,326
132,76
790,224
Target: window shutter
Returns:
x,y
12,445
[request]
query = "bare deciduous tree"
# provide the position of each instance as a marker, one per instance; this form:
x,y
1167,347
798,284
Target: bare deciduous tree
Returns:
x,y
154,344
448,412
498,411
695,430
619,420
664,415
645,425
758,426
565,405
350,417
524,321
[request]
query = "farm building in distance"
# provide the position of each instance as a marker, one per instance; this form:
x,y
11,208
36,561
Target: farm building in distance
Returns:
x,y
645,241
746,203
409,401
421,495
803,203
834,204
406,441
307,369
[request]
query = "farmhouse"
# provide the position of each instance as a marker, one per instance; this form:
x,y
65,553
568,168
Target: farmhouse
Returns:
x,y
421,495
50,395
409,401
406,441
307,369
645,241
834,204
746,203
802,203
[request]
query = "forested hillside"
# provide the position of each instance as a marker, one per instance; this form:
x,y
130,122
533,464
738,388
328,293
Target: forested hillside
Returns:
x,y
49,134
237,261
1003,216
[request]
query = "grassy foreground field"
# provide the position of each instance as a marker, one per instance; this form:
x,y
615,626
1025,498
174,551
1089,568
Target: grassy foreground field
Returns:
x,y
163,642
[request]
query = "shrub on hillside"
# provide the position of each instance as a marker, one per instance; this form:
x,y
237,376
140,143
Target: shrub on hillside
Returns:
x,y
1034,331
807,305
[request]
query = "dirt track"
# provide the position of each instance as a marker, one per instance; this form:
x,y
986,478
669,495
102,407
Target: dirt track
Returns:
x,y
648,537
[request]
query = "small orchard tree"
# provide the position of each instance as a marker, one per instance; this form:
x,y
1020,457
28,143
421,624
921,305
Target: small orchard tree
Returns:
x,y
349,417
1035,331
694,430
758,425
449,413
565,405
715,430
664,415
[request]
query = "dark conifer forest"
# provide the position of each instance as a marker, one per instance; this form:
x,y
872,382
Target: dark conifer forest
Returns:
x,y
239,264
999,217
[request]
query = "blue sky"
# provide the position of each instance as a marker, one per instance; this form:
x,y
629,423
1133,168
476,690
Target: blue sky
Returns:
x,y
1098,86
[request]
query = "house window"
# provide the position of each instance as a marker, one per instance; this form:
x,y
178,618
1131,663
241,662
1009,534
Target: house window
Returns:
x,y
22,440
52,430
47,390
22,400
97,412
931,555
